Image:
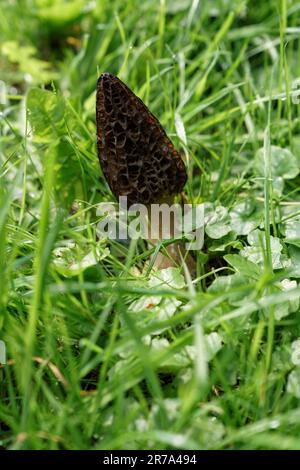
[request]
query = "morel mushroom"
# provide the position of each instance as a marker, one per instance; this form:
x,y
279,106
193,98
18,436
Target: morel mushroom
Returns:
x,y
137,157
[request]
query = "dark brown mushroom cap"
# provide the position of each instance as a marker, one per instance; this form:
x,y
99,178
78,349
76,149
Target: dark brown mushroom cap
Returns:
x,y
137,157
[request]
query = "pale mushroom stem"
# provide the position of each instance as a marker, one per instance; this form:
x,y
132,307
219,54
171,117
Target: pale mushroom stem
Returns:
x,y
173,254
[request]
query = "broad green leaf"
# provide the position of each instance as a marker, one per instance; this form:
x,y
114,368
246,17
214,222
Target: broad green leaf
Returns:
x,y
284,163
244,266
213,344
217,221
169,277
71,260
284,309
295,355
228,240
278,185
294,254
235,282
172,361
245,217
291,229
145,302
256,251
293,383
159,307
284,166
